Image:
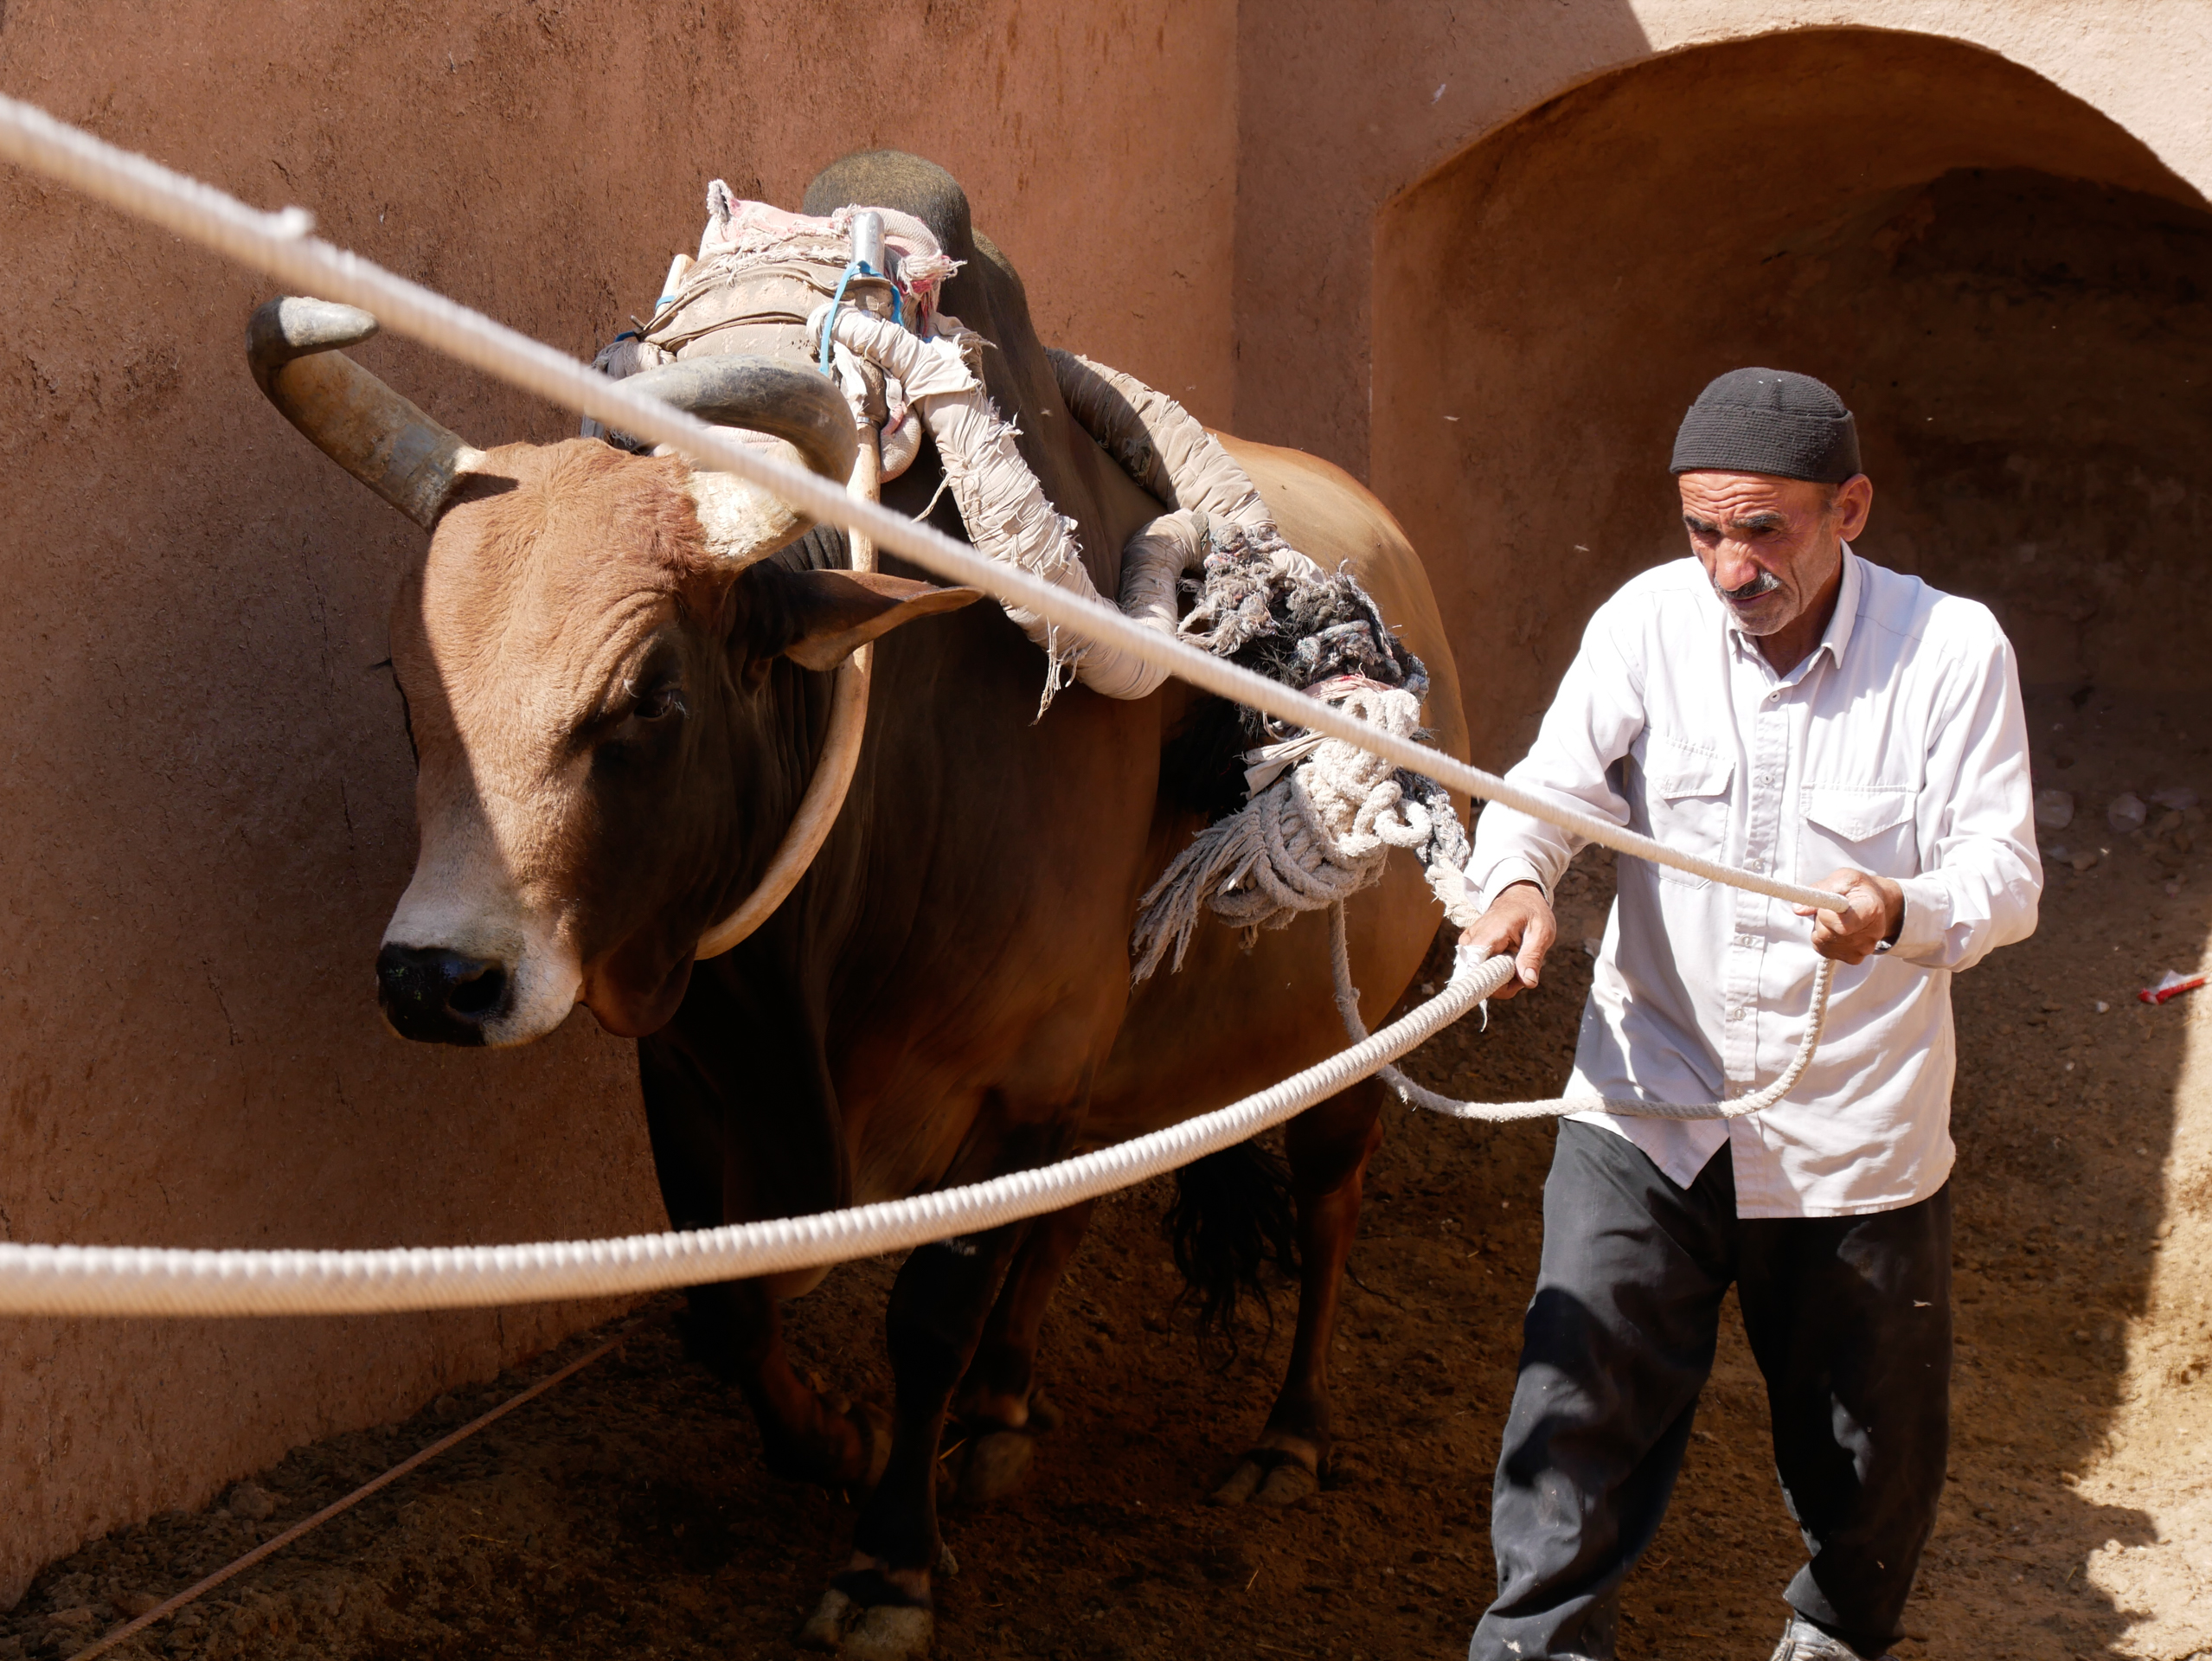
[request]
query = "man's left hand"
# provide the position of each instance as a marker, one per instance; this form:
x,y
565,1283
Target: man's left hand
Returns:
x,y
1871,911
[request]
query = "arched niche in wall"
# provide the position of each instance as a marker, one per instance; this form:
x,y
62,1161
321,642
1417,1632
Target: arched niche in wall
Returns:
x,y
2013,293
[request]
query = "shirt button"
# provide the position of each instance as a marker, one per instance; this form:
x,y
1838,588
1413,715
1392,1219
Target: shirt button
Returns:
x,y
1735,1014
1750,865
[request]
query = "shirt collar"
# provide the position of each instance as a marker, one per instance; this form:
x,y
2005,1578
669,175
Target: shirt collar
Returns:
x,y
1834,642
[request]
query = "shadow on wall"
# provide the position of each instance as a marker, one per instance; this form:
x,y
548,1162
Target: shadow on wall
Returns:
x,y
2012,293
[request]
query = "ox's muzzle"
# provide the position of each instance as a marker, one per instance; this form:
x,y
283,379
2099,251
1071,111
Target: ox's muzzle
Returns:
x,y
439,996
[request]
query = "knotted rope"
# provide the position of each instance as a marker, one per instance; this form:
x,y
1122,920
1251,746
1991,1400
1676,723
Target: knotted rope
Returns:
x,y
1317,835
1322,814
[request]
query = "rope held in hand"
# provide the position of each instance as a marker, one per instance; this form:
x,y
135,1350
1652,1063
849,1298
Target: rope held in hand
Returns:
x,y
1500,1112
144,1280
73,1280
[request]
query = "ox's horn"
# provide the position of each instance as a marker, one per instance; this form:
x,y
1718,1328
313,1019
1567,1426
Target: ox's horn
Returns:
x,y
744,522
351,416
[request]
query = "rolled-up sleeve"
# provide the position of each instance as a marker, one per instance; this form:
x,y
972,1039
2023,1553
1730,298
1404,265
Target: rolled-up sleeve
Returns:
x,y
1981,881
1596,715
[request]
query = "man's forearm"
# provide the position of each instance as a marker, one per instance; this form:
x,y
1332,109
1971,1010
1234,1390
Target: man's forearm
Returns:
x,y
1958,914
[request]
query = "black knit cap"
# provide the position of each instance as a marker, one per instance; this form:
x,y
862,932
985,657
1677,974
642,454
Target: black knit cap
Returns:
x,y
1769,421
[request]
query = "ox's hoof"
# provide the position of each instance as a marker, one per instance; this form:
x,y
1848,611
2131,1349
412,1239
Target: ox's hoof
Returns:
x,y
993,1464
891,1631
822,1454
994,1458
872,1424
825,1627
872,1612
1268,1476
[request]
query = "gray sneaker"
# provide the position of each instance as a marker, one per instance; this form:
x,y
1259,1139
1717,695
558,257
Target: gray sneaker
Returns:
x,y
1802,1641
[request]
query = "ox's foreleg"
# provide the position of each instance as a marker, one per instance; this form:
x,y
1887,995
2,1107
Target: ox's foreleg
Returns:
x,y
1328,1147
1000,1407
736,1329
879,1607
715,1169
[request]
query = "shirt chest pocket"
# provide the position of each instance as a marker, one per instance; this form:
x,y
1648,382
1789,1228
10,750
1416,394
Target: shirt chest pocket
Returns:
x,y
1866,827
1687,796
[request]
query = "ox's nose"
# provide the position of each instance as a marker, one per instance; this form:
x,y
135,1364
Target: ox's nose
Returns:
x,y
440,997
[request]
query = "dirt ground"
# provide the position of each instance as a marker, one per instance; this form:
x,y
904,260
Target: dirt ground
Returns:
x,y
625,1514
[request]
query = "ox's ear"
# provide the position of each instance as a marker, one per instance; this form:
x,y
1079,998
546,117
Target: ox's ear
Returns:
x,y
818,618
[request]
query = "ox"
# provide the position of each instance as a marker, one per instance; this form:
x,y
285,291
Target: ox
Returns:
x,y
614,720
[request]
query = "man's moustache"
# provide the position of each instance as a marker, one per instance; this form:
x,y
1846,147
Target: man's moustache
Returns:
x,y
1764,583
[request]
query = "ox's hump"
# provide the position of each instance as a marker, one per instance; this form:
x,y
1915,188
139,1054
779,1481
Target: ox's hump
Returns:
x,y
893,178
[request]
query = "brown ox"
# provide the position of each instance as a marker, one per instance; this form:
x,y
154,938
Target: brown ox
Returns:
x,y
615,720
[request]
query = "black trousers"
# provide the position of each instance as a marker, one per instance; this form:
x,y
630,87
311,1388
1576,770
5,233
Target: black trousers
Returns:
x,y
1849,1319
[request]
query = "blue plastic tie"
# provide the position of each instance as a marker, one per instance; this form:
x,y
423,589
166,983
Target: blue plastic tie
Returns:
x,y
858,268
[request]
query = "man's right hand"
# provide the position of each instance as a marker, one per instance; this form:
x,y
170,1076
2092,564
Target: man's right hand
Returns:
x,y
1519,922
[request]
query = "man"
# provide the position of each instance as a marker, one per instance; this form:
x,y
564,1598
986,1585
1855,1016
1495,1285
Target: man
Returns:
x,y
1779,703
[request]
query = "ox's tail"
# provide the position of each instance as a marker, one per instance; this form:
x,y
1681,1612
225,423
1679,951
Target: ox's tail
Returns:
x,y
1232,1216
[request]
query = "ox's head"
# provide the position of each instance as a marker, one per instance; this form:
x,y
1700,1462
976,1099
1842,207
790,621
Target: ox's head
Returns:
x,y
585,653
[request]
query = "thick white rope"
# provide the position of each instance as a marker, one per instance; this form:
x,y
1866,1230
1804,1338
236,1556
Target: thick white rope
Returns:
x,y
78,1280
144,1280
1500,1112
280,245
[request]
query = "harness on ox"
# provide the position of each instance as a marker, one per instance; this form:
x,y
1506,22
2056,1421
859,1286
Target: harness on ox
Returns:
x,y
1321,815
1257,602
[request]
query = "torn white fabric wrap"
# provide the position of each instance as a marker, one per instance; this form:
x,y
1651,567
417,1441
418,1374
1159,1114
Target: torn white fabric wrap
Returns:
x,y
1317,821
1004,506
1159,443
1152,563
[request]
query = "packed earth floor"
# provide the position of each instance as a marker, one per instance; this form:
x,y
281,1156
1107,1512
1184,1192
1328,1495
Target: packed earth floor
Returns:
x,y
625,1513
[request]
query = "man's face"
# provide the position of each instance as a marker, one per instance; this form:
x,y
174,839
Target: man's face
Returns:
x,y
1770,546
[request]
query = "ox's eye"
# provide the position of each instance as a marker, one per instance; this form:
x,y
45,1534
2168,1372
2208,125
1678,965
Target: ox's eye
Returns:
x,y
659,702
653,716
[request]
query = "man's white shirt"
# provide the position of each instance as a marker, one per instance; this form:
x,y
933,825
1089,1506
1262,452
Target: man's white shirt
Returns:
x,y
1898,748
